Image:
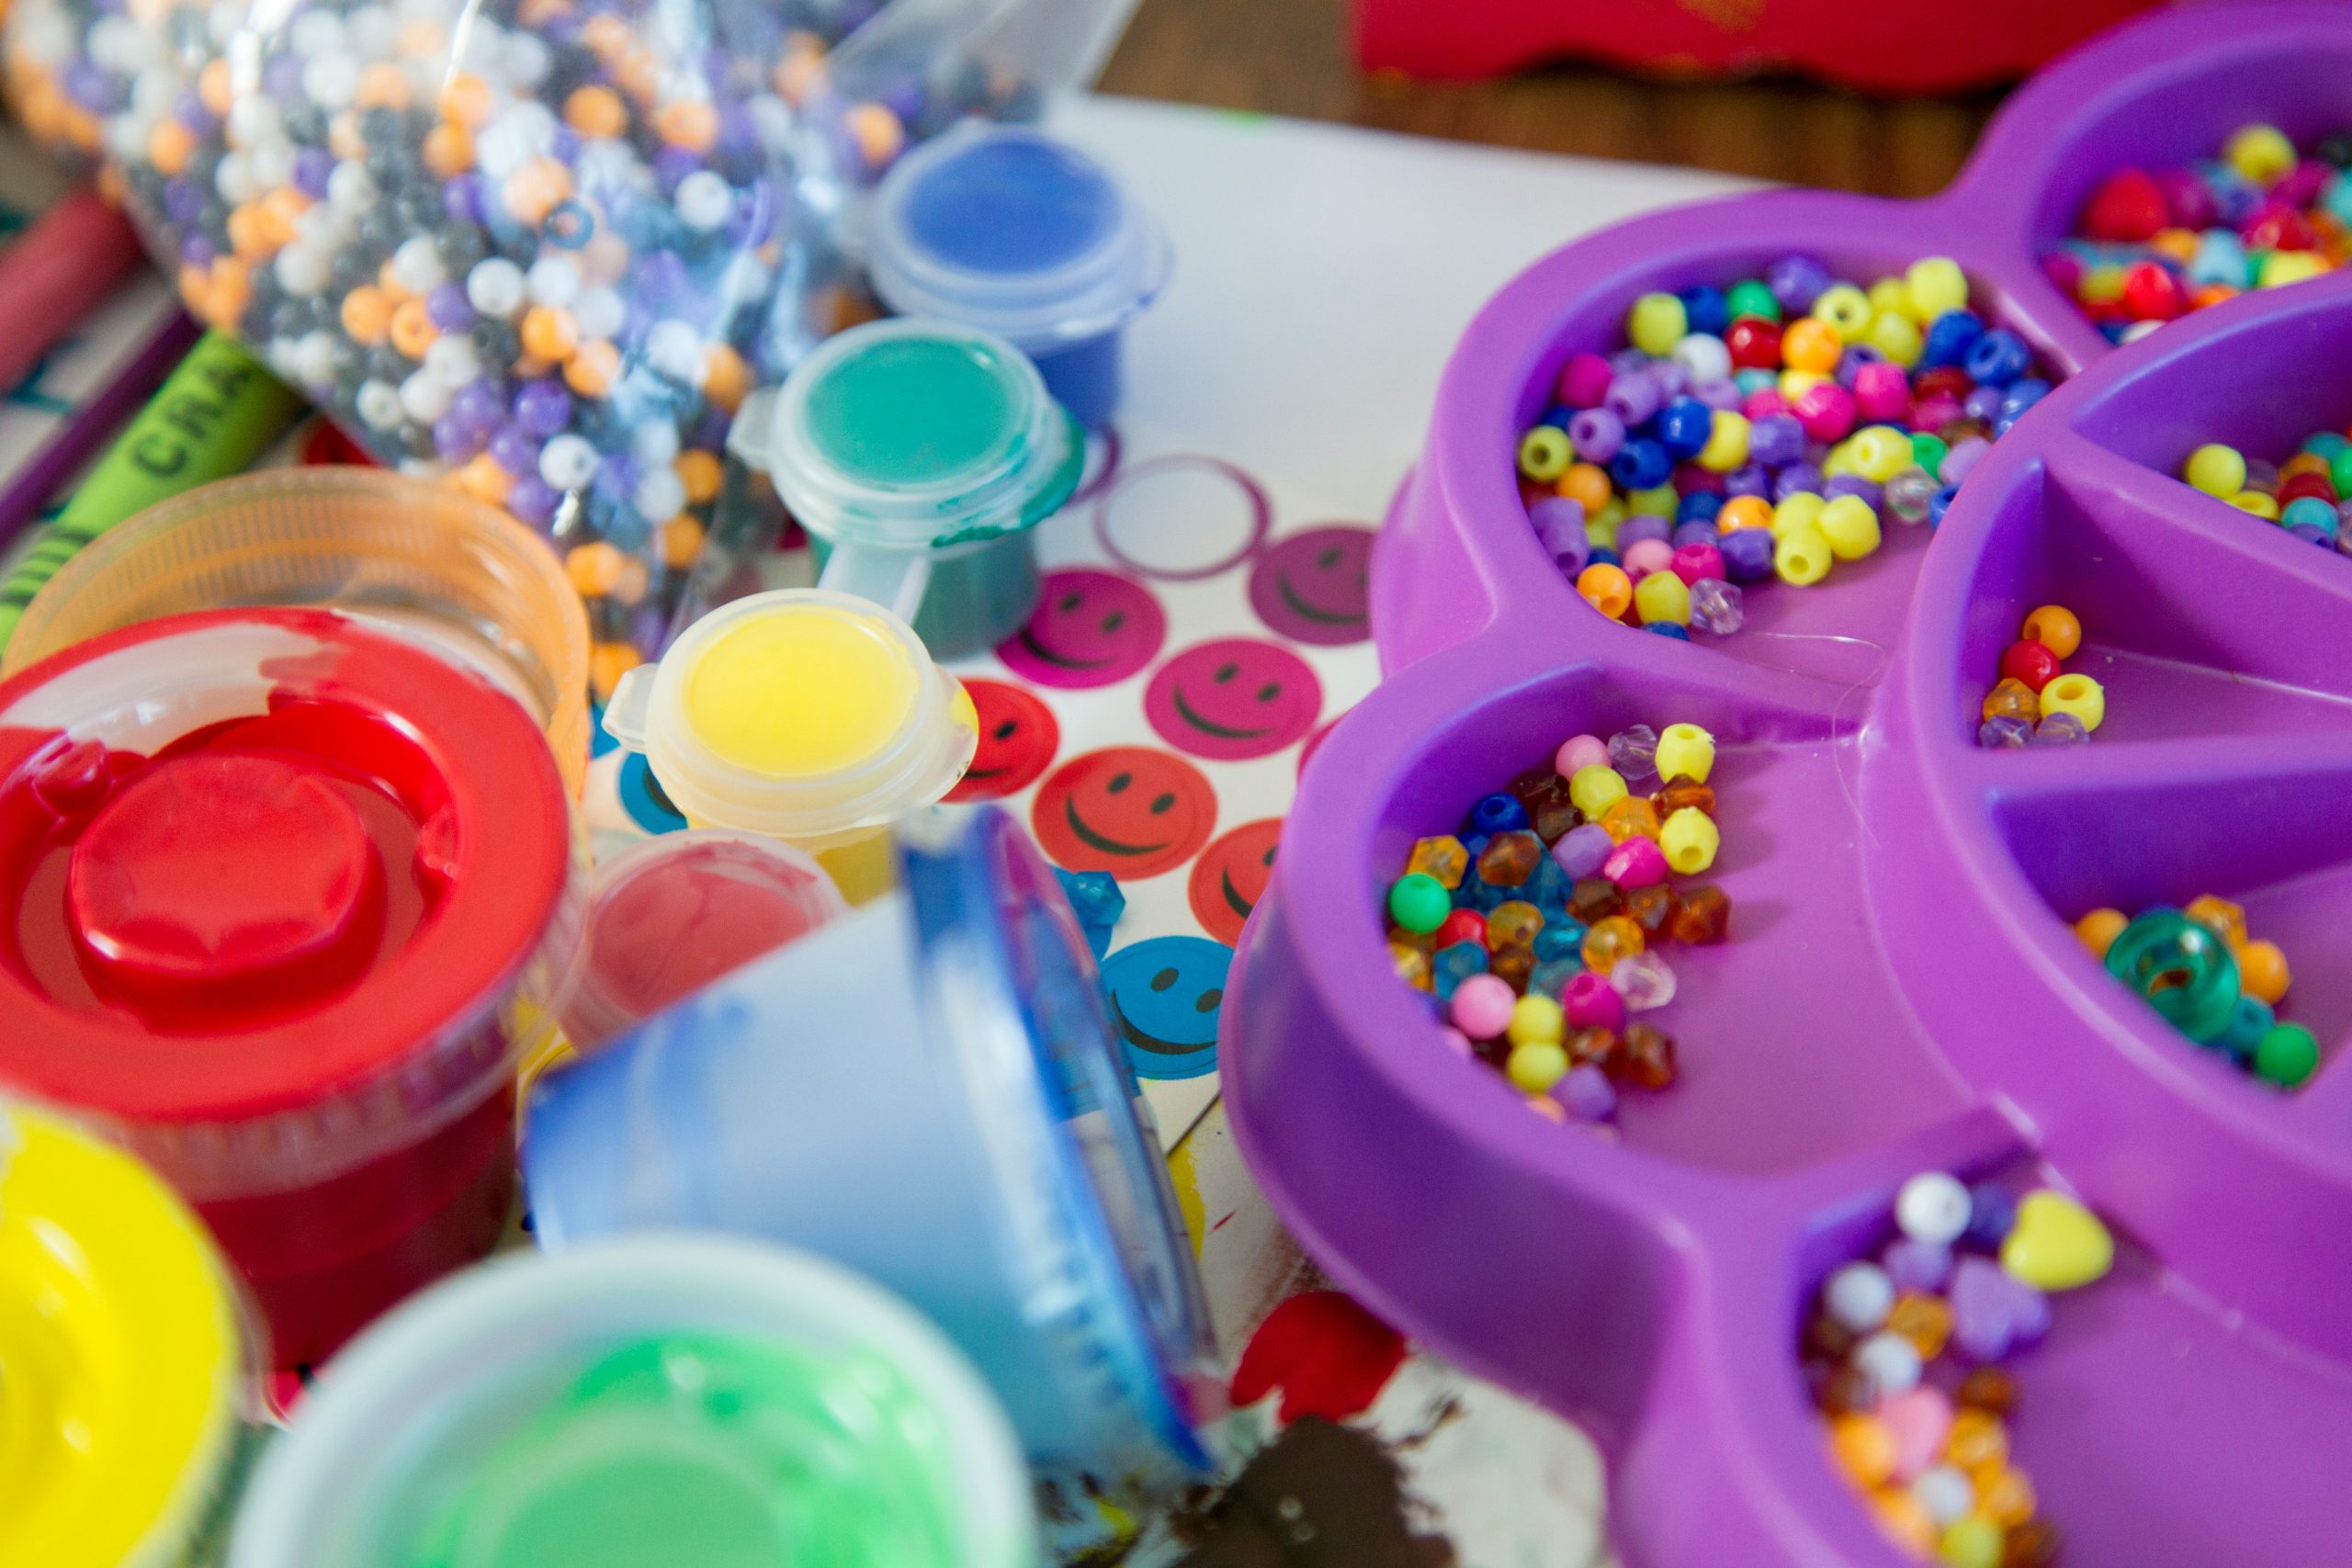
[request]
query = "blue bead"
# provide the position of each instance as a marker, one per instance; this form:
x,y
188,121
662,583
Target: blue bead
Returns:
x,y
1559,938
1939,503
1547,886
1992,1213
2325,444
1684,426
1751,382
2246,1027
1451,965
1998,358
1478,893
2309,512
1550,978
2023,394
1747,554
1095,897
1603,556
1707,309
1698,506
1641,464
1950,338
1496,813
1669,629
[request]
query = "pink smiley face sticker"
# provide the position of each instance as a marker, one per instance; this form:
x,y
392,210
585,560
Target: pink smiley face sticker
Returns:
x,y
1233,698
1316,587
1091,628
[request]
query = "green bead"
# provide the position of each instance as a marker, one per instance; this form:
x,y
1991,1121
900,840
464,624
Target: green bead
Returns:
x,y
2185,971
2339,466
1929,452
1420,903
1752,298
2286,1055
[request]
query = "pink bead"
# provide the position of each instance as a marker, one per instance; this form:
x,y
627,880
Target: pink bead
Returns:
x,y
2301,186
1934,413
1645,556
1826,410
1919,1420
1883,393
1483,1004
1637,862
2063,268
1583,381
1457,1042
1763,403
1590,1002
1692,562
1580,752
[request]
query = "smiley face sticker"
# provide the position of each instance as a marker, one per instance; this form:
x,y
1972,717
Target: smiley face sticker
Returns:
x,y
1091,628
1130,810
1316,587
1018,739
1233,699
1166,997
1231,877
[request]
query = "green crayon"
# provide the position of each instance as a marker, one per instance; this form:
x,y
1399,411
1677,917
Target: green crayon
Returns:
x,y
218,411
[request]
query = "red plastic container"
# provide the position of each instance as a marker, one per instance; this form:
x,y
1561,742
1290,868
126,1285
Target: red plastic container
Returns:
x,y
1900,46
284,891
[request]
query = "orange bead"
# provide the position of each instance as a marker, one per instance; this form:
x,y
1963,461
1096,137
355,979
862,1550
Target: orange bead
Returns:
x,y
413,330
532,191
1906,1519
1631,817
1863,1447
682,540
1977,1442
595,568
1810,344
1922,1319
725,380
382,85
879,133
593,367
344,139
168,147
604,34
549,332
422,40
689,123
232,291
596,111
1587,484
2262,971
637,72
216,87
1607,588
484,480
279,208
2303,463
797,75
247,235
700,472
448,150
466,100
2006,1497
1744,511
196,289
608,662
2179,244
2098,929
2055,628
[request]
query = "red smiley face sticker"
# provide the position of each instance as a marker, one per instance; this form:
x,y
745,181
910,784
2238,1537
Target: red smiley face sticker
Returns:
x,y
1091,628
1232,699
1316,587
1231,877
1018,739
1128,810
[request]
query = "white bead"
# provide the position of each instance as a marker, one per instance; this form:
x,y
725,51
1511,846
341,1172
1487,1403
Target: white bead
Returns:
x,y
117,43
274,164
703,201
525,59
534,125
127,136
350,188
234,179
1859,1297
43,34
284,358
1944,1493
452,361
153,92
372,32
599,312
553,281
1890,1362
314,359
495,286
1704,358
674,349
417,265
302,270
499,149
380,405
425,398
566,462
423,467
330,81
661,494
254,122
1932,1207
316,30
655,442
773,122
225,23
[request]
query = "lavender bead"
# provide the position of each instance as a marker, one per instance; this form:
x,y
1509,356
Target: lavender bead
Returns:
x,y
1851,361
672,164
1853,484
1797,479
1695,533
448,308
1717,606
1639,526
1796,282
1722,396
183,203
1582,850
454,438
462,197
1585,1093
478,404
281,76
2004,732
1572,555
1629,362
514,449
197,251
1963,457
1673,379
1749,478
1558,520
533,500
1983,403
1597,433
1917,1265
542,408
1635,399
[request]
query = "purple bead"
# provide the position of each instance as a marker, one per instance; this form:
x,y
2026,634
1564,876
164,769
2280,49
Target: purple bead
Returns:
x,y
1797,479
311,167
1916,1265
1992,1312
1991,1214
447,307
1721,395
1747,554
1963,457
281,76
92,87
672,164
189,111
1983,403
565,143
1573,554
542,408
1639,526
1854,484
1629,362
1673,379
183,203
1636,398
738,131
617,477
1696,534
462,197
1850,362
1749,478
1796,282
1582,850
1595,434
195,249
659,277
1558,519
1585,1093
478,404
533,500
454,438
709,434
513,449
1775,440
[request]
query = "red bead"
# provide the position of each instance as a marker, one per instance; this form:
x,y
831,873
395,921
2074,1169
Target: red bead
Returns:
x,y
1943,381
1462,925
2031,663
1755,343
2299,485
2128,206
2151,294
2277,228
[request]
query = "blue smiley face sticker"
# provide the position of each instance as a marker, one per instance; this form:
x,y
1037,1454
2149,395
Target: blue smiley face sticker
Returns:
x,y
1166,994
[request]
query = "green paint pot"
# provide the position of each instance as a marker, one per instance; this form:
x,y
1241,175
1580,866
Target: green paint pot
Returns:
x,y
917,455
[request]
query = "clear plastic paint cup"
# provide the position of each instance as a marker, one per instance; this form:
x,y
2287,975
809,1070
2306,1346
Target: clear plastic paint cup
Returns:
x,y
284,892
423,560
654,1402
918,454
929,1091
122,1360
1014,233
804,714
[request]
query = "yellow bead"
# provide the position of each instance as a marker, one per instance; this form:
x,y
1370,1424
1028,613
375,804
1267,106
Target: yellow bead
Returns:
x,y
1544,453
1412,965
1612,513
1534,1068
1512,924
1656,323
1970,1541
1689,839
1840,460
1802,555
1599,534
1897,337
1662,596
1798,510
1879,452
1685,751
1613,937
2101,286
1891,294
1537,1020
2261,153
1850,527
1726,446
2282,267
2253,500
1594,789
2076,694
1658,501
1937,283
2098,929
1795,384
1845,306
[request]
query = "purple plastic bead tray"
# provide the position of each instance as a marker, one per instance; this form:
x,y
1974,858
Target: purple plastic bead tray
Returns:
x,y
1900,991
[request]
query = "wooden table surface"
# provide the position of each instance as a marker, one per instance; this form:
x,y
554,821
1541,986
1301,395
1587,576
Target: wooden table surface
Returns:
x,y
1291,57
